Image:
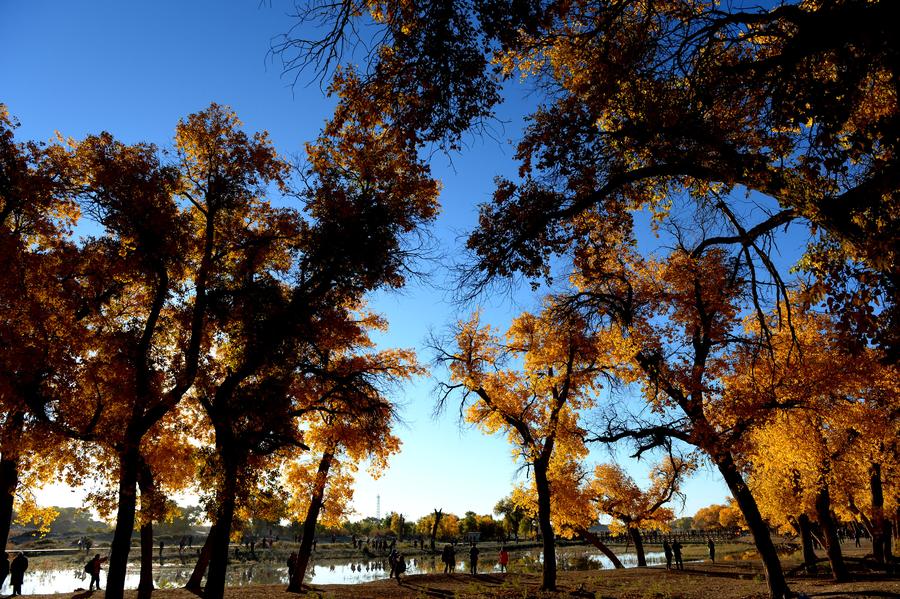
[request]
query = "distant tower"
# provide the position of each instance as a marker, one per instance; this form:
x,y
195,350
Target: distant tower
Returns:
x,y
378,506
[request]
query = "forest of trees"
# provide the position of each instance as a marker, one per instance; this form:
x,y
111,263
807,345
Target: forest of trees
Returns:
x,y
166,318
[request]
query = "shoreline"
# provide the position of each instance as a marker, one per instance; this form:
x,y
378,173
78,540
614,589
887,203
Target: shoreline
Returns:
x,y
727,580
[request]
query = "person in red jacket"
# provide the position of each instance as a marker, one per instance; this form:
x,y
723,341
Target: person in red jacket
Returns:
x,y
94,570
504,559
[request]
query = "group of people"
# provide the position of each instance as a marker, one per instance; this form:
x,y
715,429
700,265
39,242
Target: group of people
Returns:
x,y
398,564
448,558
15,570
673,550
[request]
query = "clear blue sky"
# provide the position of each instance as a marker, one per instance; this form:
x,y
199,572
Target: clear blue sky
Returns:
x,y
135,68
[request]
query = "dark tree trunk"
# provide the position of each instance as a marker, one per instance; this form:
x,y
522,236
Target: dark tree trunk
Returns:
x,y
548,581
148,492
638,546
309,524
220,534
596,542
434,526
129,461
888,539
145,586
9,472
762,538
9,480
804,527
830,536
877,492
897,520
194,584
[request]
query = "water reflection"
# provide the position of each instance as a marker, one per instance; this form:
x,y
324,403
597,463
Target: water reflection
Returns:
x,y
175,574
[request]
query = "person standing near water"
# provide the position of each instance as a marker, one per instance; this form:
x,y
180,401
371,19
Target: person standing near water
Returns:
x,y
712,549
448,556
504,559
94,570
17,573
473,558
676,551
667,549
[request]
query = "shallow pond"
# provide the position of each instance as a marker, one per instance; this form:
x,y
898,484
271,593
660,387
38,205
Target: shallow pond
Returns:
x,y
170,574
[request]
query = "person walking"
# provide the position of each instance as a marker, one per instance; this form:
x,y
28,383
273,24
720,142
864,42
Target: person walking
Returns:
x,y
392,560
504,559
667,549
473,559
712,550
93,568
17,573
399,566
676,551
292,565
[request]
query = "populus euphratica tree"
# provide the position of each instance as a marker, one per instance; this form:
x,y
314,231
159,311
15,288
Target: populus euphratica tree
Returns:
x,y
536,405
351,423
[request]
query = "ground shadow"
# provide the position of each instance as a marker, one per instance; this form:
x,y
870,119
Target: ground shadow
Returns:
x,y
745,575
853,594
427,590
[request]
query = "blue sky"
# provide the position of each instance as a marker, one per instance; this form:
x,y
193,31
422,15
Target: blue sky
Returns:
x,y
135,68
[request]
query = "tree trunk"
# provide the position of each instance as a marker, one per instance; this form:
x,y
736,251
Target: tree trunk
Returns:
x,y
309,524
548,582
596,542
194,583
9,472
877,491
804,527
897,519
145,586
762,539
434,526
220,534
9,480
638,546
129,460
830,536
148,491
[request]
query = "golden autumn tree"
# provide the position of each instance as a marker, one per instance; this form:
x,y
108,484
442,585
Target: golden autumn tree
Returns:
x,y
814,460
349,421
168,466
647,103
671,322
438,525
572,504
720,516
634,509
655,97
536,405
366,195
161,237
42,309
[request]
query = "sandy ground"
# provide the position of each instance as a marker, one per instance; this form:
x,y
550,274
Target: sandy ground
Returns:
x,y
728,580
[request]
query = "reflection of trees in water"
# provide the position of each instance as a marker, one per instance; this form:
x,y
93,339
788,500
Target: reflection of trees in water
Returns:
x,y
176,572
